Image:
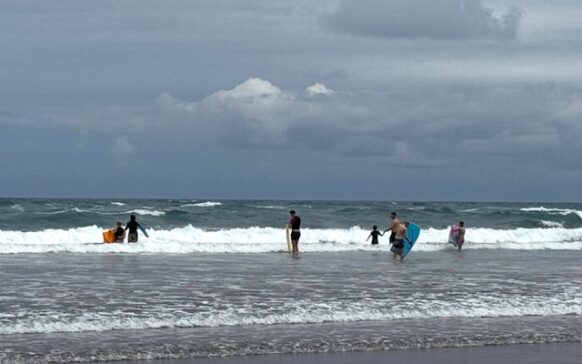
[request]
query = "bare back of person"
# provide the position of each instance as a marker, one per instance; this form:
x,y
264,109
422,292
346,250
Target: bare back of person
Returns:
x,y
399,232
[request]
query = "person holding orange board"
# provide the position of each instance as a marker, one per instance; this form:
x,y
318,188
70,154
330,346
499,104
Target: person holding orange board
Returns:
x,y
119,233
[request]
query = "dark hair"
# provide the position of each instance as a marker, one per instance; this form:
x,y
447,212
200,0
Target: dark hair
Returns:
x,y
374,227
292,212
393,213
461,223
132,217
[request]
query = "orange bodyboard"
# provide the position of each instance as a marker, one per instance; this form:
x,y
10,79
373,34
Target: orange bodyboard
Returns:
x,y
108,236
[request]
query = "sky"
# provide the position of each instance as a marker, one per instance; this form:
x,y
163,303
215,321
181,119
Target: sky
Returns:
x,y
463,100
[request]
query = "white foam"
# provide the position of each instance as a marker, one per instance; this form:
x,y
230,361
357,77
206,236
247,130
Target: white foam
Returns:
x,y
270,207
191,239
59,212
553,224
117,203
553,211
17,207
145,212
203,204
300,311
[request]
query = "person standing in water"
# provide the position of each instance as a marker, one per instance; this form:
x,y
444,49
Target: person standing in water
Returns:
x,y
119,232
295,223
374,234
398,242
132,226
461,236
393,226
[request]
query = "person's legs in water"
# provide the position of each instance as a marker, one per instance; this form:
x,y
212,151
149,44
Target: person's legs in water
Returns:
x,y
295,235
132,238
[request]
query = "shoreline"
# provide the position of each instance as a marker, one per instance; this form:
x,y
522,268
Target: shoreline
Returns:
x,y
555,353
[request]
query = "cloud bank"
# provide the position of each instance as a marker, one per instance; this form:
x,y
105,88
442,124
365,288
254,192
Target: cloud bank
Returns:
x,y
436,19
430,126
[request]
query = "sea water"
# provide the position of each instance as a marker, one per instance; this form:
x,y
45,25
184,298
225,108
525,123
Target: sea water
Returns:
x,y
214,278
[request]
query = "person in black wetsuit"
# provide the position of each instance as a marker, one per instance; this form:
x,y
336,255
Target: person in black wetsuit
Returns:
x,y
374,234
295,223
119,232
132,226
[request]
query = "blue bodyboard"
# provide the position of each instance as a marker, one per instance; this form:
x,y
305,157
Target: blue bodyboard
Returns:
x,y
412,233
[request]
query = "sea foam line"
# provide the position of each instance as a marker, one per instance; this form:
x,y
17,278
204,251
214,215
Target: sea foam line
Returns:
x,y
190,239
553,211
203,204
302,312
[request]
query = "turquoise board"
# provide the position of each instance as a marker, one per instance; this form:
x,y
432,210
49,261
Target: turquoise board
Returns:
x,y
412,233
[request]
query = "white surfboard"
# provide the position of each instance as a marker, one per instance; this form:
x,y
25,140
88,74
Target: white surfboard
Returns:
x,y
288,235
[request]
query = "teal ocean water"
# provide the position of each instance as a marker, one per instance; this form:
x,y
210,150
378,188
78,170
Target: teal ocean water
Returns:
x,y
214,279
186,226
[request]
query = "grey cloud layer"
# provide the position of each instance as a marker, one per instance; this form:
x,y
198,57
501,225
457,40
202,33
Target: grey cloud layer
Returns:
x,y
415,126
441,19
424,86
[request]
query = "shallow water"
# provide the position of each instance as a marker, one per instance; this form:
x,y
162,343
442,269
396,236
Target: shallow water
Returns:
x,y
214,279
87,307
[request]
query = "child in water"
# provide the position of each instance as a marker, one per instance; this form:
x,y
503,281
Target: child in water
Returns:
x,y
374,234
119,233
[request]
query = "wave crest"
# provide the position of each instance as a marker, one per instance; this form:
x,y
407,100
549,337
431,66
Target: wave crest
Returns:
x,y
190,239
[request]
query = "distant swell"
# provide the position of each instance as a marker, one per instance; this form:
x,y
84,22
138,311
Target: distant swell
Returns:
x,y
203,204
553,211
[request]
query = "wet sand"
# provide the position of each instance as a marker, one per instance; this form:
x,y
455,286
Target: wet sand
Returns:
x,y
560,353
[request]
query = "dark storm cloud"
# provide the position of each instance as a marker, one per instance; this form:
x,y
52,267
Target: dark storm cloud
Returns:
x,y
441,19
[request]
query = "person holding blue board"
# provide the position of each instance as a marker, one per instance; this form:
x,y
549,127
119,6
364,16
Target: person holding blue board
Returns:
x,y
403,237
410,237
397,248
393,225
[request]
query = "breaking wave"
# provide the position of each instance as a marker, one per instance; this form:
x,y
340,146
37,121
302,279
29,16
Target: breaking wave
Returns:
x,y
304,312
190,239
203,204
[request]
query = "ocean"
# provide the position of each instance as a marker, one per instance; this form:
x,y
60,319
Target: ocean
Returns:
x,y
214,279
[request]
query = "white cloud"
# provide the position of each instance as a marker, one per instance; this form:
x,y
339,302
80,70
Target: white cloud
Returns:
x,y
253,113
318,89
252,88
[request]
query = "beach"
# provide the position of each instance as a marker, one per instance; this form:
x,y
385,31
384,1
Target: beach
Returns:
x,y
562,353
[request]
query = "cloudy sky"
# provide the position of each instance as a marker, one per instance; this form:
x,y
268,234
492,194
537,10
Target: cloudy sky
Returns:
x,y
329,99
